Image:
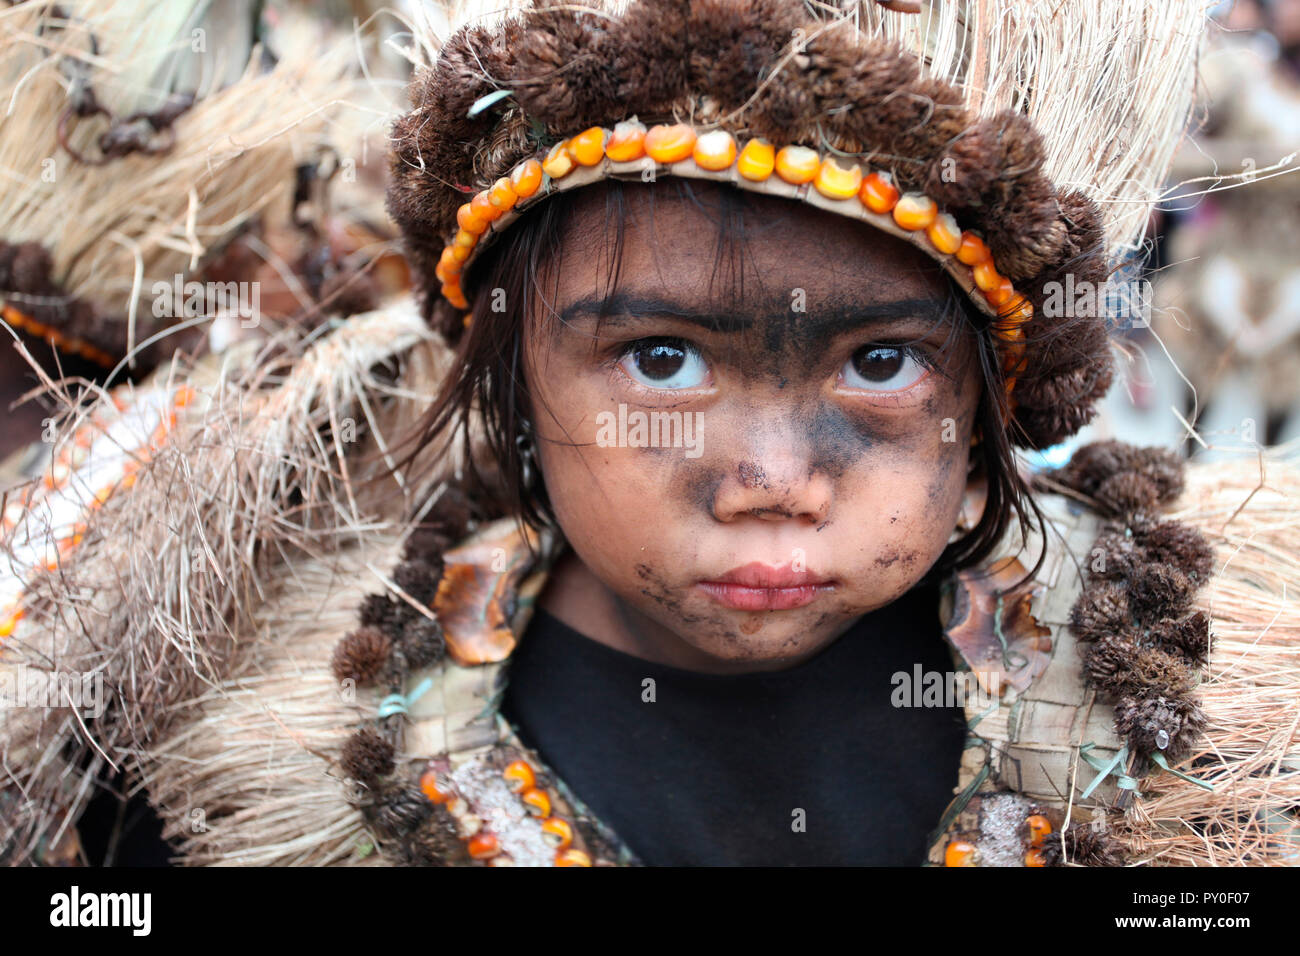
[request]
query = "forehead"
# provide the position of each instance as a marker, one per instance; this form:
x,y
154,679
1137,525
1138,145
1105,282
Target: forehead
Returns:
x,y
723,245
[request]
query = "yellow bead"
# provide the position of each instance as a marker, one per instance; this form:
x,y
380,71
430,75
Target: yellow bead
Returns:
x,y
537,802
915,211
469,221
519,775
1039,828
526,178
1000,294
715,150
481,206
837,182
797,164
448,266
572,857
670,144
627,142
972,250
557,832
757,160
460,253
502,195
466,239
986,276
878,192
959,853
558,163
588,147
944,234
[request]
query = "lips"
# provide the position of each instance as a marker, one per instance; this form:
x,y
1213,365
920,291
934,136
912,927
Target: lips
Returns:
x,y
762,587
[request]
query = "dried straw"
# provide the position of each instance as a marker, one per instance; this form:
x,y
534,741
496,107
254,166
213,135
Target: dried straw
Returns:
x,y
114,230
1251,754
162,597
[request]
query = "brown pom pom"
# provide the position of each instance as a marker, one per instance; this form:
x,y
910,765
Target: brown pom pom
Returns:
x,y
1164,469
1119,556
427,545
1109,663
1160,724
381,611
1160,591
418,579
438,843
401,810
362,656
1102,610
1189,637
1128,492
422,642
1179,545
1081,845
367,756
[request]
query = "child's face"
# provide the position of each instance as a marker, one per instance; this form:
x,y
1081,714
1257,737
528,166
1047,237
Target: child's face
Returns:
x,y
820,462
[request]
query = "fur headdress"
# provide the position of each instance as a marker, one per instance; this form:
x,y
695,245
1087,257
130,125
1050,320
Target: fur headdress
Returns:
x,y
1045,128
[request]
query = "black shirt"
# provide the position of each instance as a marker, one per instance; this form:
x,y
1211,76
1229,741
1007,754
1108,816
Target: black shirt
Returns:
x,y
812,765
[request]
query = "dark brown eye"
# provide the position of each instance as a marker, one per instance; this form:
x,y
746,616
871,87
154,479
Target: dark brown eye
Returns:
x,y
881,368
665,363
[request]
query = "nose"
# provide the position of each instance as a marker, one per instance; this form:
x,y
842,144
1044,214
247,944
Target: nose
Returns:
x,y
774,488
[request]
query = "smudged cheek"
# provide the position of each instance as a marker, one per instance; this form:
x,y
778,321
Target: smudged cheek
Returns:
x,y
893,515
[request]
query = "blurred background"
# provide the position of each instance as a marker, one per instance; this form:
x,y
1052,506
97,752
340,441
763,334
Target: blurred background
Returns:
x,y
1219,351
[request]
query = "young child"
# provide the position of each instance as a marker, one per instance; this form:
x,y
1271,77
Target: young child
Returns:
x,y
749,307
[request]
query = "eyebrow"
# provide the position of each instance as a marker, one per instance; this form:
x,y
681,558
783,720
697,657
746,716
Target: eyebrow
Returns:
x,y
840,316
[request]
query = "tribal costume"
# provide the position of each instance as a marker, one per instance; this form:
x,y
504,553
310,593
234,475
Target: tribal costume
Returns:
x,y
306,640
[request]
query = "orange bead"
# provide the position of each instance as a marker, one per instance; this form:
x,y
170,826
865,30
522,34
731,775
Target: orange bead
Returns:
x,y
837,182
878,192
537,802
1000,294
986,276
944,234
557,832
519,775
448,263
454,295
469,221
670,144
460,254
715,150
483,846
588,147
526,178
481,206
757,160
797,164
627,142
558,163
502,195
972,250
959,853
572,857
915,211
1035,858
1039,828
429,783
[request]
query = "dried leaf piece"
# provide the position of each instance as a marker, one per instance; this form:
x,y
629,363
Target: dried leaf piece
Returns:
x,y
999,640
478,593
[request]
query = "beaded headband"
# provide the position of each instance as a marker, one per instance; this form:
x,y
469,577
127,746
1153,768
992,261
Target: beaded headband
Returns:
x,y
630,150
1020,148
